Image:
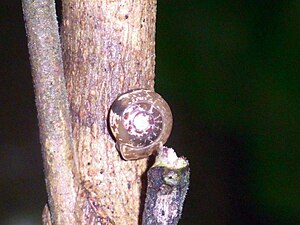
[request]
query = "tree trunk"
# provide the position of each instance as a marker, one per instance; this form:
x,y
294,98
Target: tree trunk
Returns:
x,y
108,48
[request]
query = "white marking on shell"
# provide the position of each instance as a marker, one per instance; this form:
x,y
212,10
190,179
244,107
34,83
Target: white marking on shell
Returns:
x,y
141,121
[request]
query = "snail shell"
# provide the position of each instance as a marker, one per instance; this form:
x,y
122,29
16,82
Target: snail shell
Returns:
x,y
141,122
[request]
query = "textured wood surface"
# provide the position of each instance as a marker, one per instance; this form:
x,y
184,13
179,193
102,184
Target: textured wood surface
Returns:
x,y
52,106
168,182
108,48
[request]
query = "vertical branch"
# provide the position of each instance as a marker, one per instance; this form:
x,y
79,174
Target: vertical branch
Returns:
x,y
108,48
53,110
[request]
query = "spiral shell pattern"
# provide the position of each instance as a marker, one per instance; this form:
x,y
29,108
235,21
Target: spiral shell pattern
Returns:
x,y
141,122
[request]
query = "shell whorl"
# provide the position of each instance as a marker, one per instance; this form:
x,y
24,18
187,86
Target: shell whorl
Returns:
x,y
141,121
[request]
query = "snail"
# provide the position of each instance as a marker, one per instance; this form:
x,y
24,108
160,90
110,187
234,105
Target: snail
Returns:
x,y
141,122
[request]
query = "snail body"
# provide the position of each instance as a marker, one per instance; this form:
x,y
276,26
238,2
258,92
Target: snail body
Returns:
x,y
141,122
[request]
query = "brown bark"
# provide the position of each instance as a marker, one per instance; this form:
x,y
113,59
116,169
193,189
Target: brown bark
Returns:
x,y
52,107
168,181
108,48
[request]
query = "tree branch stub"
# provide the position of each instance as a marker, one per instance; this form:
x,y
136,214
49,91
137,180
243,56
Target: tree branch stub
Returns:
x,y
168,181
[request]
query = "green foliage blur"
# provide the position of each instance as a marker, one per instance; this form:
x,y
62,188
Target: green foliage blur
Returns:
x,y
231,68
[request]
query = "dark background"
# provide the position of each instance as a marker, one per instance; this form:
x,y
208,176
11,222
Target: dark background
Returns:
x,y
230,72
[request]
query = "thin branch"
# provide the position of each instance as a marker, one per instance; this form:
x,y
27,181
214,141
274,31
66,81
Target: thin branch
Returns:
x,y
52,106
168,181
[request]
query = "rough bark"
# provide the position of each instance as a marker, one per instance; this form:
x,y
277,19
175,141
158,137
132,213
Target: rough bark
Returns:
x,y
168,181
52,107
108,48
